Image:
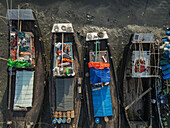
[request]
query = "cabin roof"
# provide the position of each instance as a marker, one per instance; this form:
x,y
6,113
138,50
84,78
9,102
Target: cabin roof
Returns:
x,y
24,14
24,88
96,36
63,28
64,94
143,38
102,103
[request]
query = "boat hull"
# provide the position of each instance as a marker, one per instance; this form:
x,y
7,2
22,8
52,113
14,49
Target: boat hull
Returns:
x,y
113,120
28,118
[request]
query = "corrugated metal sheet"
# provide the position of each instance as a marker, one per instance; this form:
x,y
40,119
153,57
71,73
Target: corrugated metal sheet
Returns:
x,y
24,88
24,14
102,103
64,94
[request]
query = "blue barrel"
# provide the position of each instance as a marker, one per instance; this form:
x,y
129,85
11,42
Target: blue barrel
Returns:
x,y
97,120
164,40
168,45
167,52
162,101
161,97
54,121
168,33
59,121
64,120
158,92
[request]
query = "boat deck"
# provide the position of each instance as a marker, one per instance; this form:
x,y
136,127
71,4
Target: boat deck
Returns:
x,y
71,109
22,119
89,55
136,102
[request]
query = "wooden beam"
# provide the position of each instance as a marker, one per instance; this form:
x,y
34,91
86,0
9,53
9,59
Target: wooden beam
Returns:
x,y
167,86
138,98
1,58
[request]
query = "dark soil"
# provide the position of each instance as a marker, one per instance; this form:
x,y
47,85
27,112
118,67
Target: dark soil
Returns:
x,y
120,18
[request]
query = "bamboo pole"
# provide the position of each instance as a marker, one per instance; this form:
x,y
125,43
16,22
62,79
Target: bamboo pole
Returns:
x,y
138,98
18,16
96,52
3,59
167,86
20,26
62,51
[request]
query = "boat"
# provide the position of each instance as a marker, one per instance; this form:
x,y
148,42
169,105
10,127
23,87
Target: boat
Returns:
x,y
26,71
65,81
139,74
101,96
163,82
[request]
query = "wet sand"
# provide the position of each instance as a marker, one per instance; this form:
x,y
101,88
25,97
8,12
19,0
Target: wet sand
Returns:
x,y
120,18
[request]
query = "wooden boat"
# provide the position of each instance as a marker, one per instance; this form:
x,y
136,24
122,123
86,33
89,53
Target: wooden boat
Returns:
x,y
65,81
25,69
139,78
163,83
100,82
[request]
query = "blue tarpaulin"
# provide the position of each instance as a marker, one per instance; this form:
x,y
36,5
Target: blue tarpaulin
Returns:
x,y
99,75
165,67
166,77
163,62
165,72
102,103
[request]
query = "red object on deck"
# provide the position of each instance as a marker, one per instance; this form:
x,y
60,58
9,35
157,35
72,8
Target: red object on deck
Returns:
x,y
16,39
98,65
13,54
141,65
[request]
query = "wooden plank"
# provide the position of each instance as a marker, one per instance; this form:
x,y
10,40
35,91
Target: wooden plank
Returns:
x,y
3,59
138,98
167,86
99,56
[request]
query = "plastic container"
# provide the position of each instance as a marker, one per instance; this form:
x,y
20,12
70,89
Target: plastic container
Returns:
x,y
161,97
54,121
162,101
164,40
69,120
64,120
97,120
168,33
59,121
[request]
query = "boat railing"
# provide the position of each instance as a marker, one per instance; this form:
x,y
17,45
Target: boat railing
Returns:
x,y
145,56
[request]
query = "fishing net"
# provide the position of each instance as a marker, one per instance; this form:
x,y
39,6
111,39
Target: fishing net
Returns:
x,y
18,64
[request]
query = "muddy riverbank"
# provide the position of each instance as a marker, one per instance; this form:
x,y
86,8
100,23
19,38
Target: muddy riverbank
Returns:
x,y
120,18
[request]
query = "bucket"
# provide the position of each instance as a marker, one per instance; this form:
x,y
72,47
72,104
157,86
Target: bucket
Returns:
x,y
60,114
59,121
72,114
97,120
64,115
56,114
64,120
162,101
68,120
106,119
68,114
168,33
164,40
54,121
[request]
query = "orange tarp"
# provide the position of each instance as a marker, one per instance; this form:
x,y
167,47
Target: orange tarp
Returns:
x,y
98,65
25,53
68,60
